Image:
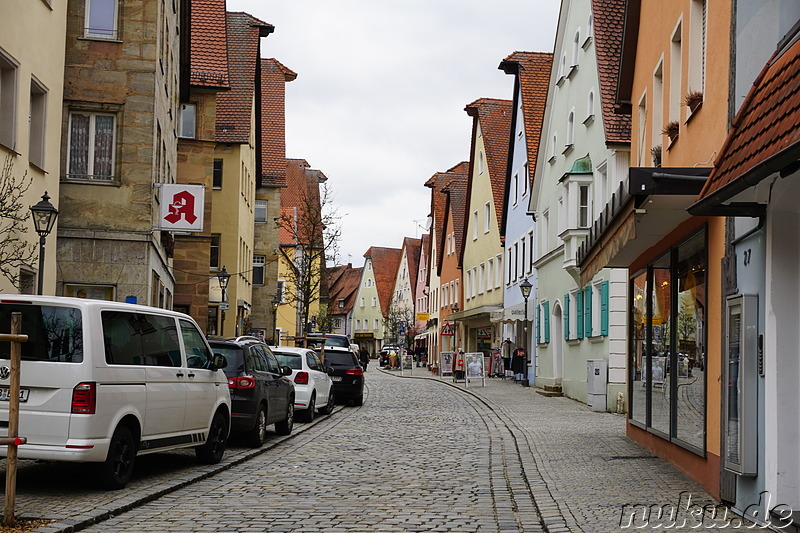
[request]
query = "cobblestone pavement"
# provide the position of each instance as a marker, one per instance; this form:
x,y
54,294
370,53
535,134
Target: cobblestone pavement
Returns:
x,y
420,455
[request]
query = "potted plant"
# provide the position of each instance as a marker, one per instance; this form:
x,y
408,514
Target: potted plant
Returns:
x,y
655,152
671,130
693,100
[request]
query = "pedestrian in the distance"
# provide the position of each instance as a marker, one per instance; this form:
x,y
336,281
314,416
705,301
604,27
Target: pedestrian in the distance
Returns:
x,y
364,356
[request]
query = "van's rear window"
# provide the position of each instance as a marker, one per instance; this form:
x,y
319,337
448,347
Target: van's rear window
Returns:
x,y
54,333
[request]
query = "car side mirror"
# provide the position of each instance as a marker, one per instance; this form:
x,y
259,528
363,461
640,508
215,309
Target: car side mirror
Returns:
x,y
329,370
218,361
286,371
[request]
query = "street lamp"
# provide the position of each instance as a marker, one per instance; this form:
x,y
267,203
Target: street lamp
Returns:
x,y
44,218
525,288
276,301
223,277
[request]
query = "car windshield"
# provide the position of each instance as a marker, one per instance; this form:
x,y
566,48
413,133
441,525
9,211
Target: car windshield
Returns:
x,y
329,341
339,359
292,360
234,357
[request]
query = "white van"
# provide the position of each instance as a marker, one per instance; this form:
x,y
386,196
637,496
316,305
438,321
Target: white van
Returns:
x,y
104,381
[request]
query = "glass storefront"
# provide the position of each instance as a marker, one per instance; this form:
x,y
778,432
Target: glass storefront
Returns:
x,y
667,354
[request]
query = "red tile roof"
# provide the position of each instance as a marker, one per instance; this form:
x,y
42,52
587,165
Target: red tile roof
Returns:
x,y
273,122
609,18
494,117
384,267
438,184
456,192
764,136
343,284
533,69
209,53
235,107
412,247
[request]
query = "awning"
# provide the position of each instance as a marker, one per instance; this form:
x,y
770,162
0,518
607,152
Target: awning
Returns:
x,y
475,311
421,336
641,212
516,313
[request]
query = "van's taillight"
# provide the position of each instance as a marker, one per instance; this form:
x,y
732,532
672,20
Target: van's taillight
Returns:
x,y
354,372
84,398
301,378
242,382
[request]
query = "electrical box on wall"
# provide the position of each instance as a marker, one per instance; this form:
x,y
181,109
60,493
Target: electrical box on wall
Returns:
x,y
741,384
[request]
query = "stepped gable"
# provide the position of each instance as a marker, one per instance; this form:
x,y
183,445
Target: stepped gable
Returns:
x,y
384,267
609,19
274,77
764,137
208,50
494,117
235,107
533,69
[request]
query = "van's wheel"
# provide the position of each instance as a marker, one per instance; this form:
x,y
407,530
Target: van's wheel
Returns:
x,y
307,415
258,435
212,451
328,409
117,470
284,427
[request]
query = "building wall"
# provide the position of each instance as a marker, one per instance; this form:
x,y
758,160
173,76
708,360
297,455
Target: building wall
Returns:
x,y
135,78
25,22
450,277
368,335
266,244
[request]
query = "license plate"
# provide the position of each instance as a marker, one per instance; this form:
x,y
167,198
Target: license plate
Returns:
x,y
336,378
6,393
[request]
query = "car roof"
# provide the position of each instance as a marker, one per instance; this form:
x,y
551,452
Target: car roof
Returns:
x,y
291,349
237,341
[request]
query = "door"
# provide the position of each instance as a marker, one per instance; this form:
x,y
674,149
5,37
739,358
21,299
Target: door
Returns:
x,y
558,345
203,386
322,381
277,387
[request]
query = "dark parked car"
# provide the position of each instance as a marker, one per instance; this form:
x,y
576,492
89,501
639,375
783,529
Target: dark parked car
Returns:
x,y
261,394
347,375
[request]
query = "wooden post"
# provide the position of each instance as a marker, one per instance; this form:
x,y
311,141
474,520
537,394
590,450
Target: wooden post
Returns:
x,y
13,416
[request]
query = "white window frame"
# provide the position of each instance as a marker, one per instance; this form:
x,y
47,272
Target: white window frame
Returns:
x,y
475,225
259,263
498,271
91,143
37,123
487,213
514,189
260,207
109,34
187,121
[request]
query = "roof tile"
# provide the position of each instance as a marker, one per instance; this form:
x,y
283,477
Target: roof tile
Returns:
x,y
209,53
384,267
609,18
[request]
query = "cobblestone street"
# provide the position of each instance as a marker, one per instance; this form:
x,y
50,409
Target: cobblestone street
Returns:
x,y
420,455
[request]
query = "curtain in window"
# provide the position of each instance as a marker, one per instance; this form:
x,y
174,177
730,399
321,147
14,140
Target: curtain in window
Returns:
x,y
104,147
79,145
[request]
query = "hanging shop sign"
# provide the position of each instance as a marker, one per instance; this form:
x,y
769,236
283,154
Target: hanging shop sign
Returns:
x,y
182,207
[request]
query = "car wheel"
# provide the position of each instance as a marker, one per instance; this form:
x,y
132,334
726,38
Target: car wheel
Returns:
x,y
328,409
258,435
117,470
284,427
214,448
358,401
307,415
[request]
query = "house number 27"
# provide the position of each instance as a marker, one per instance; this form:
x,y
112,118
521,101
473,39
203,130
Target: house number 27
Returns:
x,y
746,255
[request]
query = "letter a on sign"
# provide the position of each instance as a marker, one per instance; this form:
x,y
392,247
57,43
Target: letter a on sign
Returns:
x,y
182,207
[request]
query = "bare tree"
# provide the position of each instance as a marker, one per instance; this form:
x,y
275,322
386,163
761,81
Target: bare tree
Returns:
x,y
400,319
15,250
314,230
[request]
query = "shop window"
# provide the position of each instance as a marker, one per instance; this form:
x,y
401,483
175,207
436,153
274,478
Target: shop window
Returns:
x,y
668,348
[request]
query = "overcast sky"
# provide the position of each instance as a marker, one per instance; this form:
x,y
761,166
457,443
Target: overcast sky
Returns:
x,y
378,104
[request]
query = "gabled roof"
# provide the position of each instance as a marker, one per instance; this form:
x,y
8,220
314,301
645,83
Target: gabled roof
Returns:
x,y
343,284
609,18
412,247
274,77
532,71
384,268
764,137
456,192
235,107
494,118
438,183
208,50
425,248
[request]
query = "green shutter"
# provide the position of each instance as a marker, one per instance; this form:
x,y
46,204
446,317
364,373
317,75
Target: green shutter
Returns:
x,y
604,308
538,323
547,322
566,317
579,309
587,311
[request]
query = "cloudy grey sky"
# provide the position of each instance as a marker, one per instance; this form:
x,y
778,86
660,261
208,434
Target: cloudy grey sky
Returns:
x,y
378,104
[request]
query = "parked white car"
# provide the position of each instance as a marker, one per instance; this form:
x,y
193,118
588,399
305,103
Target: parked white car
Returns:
x,y
313,386
102,382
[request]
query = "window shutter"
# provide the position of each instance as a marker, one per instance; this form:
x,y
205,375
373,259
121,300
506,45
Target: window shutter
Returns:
x,y
604,308
547,322
579,310
538,323
587,312
566,317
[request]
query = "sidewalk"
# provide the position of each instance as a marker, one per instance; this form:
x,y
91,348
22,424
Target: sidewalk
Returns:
x,y
591,469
